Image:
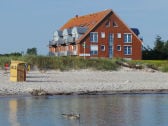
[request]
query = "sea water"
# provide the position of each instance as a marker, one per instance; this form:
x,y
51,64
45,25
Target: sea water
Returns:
x,y
94,110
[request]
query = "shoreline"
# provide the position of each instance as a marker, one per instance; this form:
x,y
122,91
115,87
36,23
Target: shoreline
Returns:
x,y
140,91
86,82
130,92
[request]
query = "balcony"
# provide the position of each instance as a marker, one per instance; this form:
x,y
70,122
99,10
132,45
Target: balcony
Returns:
x,y
69,40
72,53
63,53
60,41
53,54
52,43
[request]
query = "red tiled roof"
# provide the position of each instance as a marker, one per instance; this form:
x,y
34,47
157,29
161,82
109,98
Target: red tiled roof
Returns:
x,y
88,21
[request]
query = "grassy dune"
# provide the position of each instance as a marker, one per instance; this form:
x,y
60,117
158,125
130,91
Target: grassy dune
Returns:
x,y
69,63
64,63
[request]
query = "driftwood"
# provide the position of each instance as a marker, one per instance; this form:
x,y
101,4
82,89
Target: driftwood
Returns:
x,y
125,64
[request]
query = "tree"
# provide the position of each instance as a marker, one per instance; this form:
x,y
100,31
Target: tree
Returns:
x,y
148,53
160,50
165,50
32,51
159,44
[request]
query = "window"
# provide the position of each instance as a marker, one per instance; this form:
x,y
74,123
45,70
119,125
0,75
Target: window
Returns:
x,y
102,47
127,50
111,38
93,37
103,35
118,35
110,49
107,24
74,48
118,48
127,38
115,24
94,49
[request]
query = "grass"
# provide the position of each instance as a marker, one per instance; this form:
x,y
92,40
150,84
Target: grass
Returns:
x,y
161,65
70,63
64,63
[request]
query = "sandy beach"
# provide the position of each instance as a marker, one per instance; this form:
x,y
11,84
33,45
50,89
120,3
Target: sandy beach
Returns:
x,y
86,81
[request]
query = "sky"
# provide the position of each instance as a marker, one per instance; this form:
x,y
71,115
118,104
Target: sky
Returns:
x,y
31,23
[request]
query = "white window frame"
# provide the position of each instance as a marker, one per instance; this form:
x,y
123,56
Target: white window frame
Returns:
x,y
126,38
103,35
104,48
118,35
94,37
119,47
93,50
127,51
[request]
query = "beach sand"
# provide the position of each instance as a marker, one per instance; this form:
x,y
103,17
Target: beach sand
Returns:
x,y
86,81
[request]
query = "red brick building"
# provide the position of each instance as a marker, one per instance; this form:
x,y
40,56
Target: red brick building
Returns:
x,y
101,34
